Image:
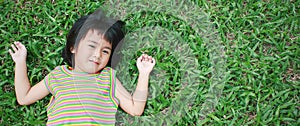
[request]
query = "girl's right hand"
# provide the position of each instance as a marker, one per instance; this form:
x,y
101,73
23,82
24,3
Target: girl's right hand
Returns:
x,y
19,52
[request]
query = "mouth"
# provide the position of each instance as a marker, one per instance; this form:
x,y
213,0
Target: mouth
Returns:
x,y
94,62
97,63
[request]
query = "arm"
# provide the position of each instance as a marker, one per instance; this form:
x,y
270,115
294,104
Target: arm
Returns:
x,y
24,92
134,105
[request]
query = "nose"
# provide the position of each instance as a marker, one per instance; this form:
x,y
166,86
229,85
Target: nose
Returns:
x,y
97,54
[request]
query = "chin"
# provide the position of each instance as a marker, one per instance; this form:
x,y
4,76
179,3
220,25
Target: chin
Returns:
x,y
94,70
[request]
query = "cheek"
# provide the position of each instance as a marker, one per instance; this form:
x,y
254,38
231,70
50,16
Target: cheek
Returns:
x,y
86,52
106,59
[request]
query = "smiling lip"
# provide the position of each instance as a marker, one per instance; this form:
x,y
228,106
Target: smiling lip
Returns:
x,y
95,62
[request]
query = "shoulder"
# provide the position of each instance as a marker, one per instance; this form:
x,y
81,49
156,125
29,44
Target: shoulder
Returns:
x,y
108,69
58,69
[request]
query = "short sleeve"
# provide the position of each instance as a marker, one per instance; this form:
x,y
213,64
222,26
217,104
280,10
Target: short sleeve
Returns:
x,y
49,79
113,86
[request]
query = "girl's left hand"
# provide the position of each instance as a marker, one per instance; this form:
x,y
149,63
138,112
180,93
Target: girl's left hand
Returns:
x,y
145,64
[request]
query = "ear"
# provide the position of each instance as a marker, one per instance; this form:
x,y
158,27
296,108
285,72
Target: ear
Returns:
x,y
72,50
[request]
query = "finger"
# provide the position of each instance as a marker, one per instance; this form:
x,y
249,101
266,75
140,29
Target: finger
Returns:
x,y
144,57
153,61
14,48
150,58
19,45
10,52
140,59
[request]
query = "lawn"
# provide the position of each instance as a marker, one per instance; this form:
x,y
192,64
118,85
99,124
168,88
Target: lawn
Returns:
x,y
218,62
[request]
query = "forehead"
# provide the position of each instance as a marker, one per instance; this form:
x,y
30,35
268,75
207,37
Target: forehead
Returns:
x,y
96,37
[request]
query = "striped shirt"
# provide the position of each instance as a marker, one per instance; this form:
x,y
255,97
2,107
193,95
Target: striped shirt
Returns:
x,y
80,98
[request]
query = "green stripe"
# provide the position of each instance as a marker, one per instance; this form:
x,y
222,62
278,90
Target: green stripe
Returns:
x,y
84,111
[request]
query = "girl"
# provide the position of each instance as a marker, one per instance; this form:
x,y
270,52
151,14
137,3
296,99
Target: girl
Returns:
x,y
86,91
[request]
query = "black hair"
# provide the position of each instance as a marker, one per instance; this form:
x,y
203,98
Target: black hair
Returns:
x,y
112,30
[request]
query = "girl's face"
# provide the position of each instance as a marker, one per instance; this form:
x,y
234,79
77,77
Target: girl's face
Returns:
x,y
92,54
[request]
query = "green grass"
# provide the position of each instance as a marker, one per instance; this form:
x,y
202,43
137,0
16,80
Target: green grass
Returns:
x,y
260,39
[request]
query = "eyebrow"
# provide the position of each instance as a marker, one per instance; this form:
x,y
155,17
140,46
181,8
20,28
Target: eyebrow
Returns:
x,y
93,41
98,43
107,47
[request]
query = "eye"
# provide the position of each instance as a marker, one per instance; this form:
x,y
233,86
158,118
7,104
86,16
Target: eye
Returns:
x,y
92,46
105,51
